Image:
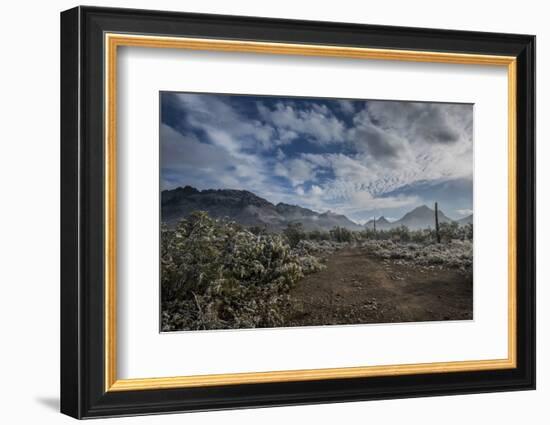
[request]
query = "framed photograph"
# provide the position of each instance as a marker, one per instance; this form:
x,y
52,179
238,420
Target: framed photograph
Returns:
x,y
261,212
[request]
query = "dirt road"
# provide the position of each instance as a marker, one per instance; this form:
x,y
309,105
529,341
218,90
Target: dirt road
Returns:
x,y
359,288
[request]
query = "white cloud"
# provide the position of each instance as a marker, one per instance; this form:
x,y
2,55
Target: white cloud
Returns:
x,y
423,122
316,190
346,106
415,141
207,166
317,122
224,125
297,171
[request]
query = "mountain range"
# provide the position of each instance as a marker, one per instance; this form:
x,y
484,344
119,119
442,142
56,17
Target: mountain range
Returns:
x,y
420,218
248,209
466,220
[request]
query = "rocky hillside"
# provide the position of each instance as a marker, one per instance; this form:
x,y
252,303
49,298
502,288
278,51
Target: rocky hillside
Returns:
x,y
245,208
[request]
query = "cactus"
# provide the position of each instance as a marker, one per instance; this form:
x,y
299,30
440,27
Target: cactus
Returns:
x,y
438,236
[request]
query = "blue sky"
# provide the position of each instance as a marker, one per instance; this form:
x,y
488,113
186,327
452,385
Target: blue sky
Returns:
x,y
361,158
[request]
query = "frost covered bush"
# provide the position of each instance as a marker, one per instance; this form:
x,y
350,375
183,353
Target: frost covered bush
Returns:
x,y
341,234
456,254
294,233
313,253
448,232
321,248
216,274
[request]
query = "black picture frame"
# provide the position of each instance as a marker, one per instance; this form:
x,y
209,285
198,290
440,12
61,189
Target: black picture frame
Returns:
x,y
83,392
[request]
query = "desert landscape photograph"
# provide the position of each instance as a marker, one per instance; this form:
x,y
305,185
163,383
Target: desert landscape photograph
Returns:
x,y
299,211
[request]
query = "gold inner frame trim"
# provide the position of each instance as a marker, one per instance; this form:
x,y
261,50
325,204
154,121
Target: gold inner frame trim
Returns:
x,y
113,41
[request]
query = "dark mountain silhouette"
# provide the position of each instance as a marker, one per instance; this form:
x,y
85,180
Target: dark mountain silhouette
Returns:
x,y
245,208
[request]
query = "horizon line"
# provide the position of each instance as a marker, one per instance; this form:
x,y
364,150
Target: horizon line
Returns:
x,y
325,212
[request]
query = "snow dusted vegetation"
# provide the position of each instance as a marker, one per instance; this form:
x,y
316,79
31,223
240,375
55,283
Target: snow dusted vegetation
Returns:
x,y
457,254
217,274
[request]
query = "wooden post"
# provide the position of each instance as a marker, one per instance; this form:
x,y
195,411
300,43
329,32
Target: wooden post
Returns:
x,y
374,223
438,236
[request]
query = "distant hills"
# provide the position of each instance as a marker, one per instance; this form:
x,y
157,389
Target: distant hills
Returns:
x,y
466,220
249,209
382,223
420,218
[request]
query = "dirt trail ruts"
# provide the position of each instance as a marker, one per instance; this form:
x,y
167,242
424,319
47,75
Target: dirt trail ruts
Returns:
x,y
359,288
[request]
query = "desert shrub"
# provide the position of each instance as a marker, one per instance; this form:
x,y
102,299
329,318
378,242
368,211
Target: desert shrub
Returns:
x,y
365,234
258,230
467,232
318,235
341,234
456,255
294,233
401,233
448,231
216,274
422,236
319,249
